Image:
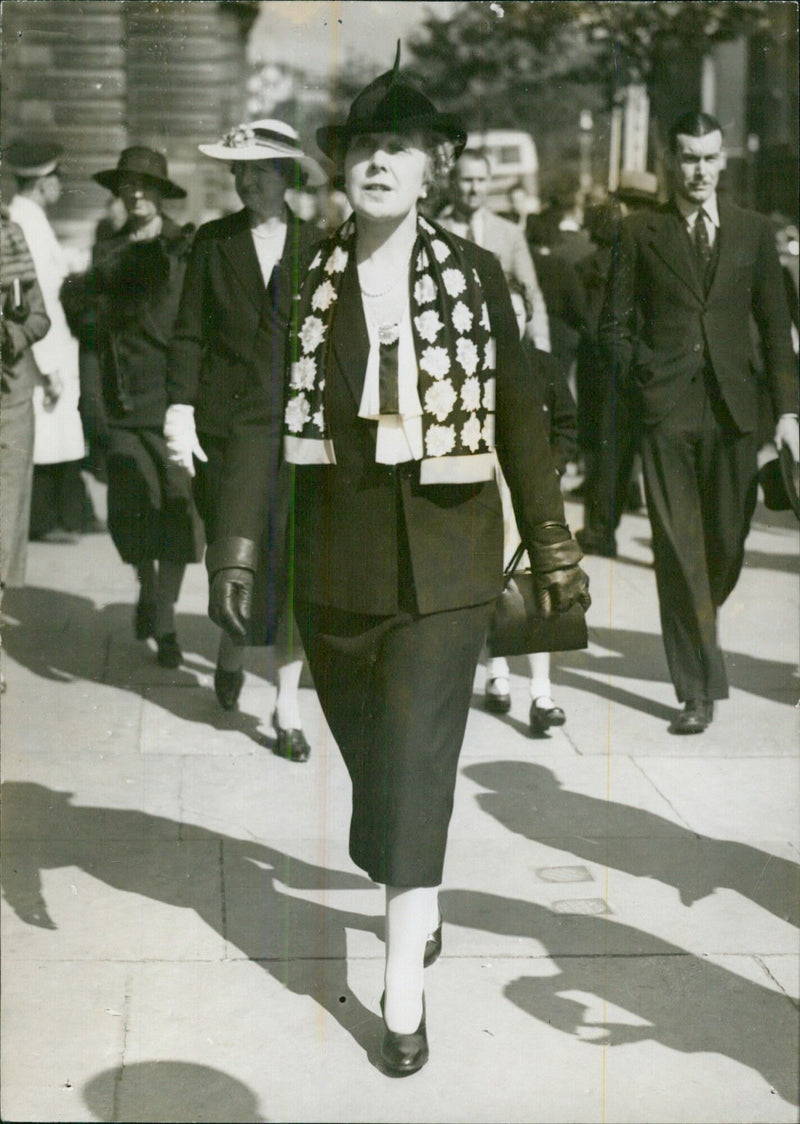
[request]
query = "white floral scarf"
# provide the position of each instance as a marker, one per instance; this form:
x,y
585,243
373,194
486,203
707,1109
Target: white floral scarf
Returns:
x,y
453,344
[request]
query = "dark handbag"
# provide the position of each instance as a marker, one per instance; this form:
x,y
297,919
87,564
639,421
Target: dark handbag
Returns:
x,y
518,624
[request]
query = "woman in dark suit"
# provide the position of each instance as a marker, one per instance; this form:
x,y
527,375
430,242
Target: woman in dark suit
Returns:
x,y
398,529
137,276
226,366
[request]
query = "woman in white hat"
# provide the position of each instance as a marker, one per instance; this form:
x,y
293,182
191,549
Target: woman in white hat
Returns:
x,y
226,365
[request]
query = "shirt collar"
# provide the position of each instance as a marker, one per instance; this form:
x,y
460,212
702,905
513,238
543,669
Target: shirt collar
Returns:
x,y
689,210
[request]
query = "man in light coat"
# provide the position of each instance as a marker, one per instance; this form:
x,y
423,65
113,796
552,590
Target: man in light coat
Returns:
x,y
469,217
59,497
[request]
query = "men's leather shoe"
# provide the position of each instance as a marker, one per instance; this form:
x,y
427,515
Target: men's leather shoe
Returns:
x,y
433,946
291,744
403,1054
498,697
228,687
590,544
696,715
543,717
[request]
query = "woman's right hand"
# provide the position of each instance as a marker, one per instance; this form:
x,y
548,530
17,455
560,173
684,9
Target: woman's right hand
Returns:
x,y
230,600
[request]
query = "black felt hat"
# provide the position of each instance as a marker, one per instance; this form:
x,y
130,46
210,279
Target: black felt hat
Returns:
x,y
141,161
778,478
390,104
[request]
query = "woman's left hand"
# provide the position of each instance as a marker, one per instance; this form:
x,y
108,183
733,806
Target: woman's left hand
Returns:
x,y
559,590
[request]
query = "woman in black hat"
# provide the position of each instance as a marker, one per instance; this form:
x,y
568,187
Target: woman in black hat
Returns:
x,y
137,277
392,398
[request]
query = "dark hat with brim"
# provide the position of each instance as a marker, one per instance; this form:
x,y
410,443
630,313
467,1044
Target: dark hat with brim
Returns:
x,y
390,104
778,478
144,162
31,159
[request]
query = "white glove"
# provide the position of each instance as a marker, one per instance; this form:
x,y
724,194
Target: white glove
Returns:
x,y
787,433
181,437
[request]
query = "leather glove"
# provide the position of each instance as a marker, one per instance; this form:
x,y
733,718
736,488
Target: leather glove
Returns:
x,y
181,437
558,590
230,600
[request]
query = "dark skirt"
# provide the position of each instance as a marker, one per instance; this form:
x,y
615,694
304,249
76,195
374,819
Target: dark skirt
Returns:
x,y
396,693
151,514
271,584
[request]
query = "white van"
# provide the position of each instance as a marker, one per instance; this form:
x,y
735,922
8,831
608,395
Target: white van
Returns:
x,y
514,161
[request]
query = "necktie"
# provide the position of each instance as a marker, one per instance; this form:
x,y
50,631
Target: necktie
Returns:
x,y
389,339
702,246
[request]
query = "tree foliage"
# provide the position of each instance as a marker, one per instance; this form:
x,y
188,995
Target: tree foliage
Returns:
x,y
498,50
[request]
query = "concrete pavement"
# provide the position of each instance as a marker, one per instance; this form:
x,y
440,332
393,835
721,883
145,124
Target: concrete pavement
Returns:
x,y
186,939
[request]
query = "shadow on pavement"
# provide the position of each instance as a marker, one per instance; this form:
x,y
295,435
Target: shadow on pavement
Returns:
x,y
640,655
250,910
528,799
170,1091
688,1004
62,637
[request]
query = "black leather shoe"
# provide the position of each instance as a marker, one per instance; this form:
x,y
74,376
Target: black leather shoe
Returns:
x,y
228,687
291,744
433,946
403,1054
497,701
696,715
144,619
543,717
591,544
169,654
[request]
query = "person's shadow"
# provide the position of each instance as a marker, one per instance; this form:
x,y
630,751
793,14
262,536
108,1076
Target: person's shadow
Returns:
x,y
687,1003
244,897
164,1091
63,637
528,799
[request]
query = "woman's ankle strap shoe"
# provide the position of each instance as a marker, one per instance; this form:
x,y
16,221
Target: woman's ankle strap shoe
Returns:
x,y
291,744
403,1054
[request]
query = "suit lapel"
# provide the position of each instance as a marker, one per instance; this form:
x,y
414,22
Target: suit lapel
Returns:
x,y
669,240
349,339
239,251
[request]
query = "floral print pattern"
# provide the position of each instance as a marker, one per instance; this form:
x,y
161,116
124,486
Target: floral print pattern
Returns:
x,y
452,339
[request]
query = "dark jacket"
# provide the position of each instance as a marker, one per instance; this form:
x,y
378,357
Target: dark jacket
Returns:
x,y
559,411
137,286
656,285
226,357
355,522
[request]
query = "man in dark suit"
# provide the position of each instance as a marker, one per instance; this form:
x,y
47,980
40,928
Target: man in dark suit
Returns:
x,y
676,322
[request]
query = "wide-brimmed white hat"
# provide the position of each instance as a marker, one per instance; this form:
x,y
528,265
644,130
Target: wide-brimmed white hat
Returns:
x,y
267,139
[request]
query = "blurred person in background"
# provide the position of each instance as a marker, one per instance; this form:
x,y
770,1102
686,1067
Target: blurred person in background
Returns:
x,y
226,366
24,321
136,276
59,498
468,216
547,376
562,290
612,485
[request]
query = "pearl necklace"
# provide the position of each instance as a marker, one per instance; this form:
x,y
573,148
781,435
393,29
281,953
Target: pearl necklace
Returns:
x,y
384,292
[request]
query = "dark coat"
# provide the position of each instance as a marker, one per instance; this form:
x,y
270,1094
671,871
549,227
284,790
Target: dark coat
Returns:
x,y
138,287
226,357
559,411
356,522
659,328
